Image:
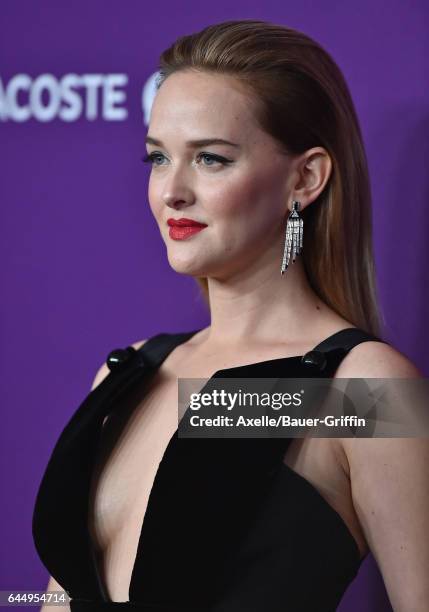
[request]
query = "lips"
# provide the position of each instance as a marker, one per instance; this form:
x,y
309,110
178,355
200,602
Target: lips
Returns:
x,y
184,222
181,229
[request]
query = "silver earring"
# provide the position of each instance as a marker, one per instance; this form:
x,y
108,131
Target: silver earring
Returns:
x,y
294,236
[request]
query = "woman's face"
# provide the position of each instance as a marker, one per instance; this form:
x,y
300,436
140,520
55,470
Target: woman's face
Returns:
x,y
240,191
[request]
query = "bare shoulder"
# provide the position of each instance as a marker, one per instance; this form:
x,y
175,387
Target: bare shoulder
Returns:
x,y
103,370
138,344
374,359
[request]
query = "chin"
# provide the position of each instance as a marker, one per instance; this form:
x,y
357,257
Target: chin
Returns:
x,y
183,266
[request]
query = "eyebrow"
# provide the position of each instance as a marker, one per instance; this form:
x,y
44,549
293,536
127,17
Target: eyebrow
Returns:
x,y
204,142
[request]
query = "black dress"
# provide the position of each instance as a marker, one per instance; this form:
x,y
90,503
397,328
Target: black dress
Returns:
x,y
229,527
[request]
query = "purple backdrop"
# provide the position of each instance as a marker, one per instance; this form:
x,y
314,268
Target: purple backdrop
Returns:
x,y
86,270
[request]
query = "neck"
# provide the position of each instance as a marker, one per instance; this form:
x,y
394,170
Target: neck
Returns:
x,y
265,306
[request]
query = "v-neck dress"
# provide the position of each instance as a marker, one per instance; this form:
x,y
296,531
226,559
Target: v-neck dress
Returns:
x,y
229,527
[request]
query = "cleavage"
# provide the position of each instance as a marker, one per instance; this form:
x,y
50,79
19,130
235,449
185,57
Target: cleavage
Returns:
x,y
135,434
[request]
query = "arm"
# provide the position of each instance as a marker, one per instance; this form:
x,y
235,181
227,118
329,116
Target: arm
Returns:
x,y
54,586
390,488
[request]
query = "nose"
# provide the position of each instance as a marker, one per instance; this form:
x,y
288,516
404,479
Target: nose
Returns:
x,y
175,201
177,193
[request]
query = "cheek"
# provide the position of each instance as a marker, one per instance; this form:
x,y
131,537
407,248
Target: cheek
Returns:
x,y
246,212
252,197
155,202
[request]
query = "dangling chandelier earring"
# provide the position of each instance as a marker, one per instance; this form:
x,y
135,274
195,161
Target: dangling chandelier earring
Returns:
x,y
294,236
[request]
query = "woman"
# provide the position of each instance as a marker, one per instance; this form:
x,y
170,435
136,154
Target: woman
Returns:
x,y
251,122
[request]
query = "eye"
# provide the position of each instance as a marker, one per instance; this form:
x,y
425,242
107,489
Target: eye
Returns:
x,y
151,158
216,158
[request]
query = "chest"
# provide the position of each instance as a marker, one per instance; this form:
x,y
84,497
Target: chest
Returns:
x,y
133,441
132,445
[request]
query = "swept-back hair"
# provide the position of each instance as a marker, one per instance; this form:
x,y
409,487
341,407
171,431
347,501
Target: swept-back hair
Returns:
x,y
302,100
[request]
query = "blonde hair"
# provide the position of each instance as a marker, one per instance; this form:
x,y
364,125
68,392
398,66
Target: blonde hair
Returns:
x,y
302,100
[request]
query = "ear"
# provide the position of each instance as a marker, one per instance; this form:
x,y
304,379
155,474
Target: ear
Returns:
x,y
311,173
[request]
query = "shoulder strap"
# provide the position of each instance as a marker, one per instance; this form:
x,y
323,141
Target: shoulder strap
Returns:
x,y
346,339
156,348
328,354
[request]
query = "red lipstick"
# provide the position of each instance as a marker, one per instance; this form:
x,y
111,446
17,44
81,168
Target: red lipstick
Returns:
x,y
183,228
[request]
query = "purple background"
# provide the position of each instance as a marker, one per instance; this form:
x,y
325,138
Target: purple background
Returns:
x,y
84,268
